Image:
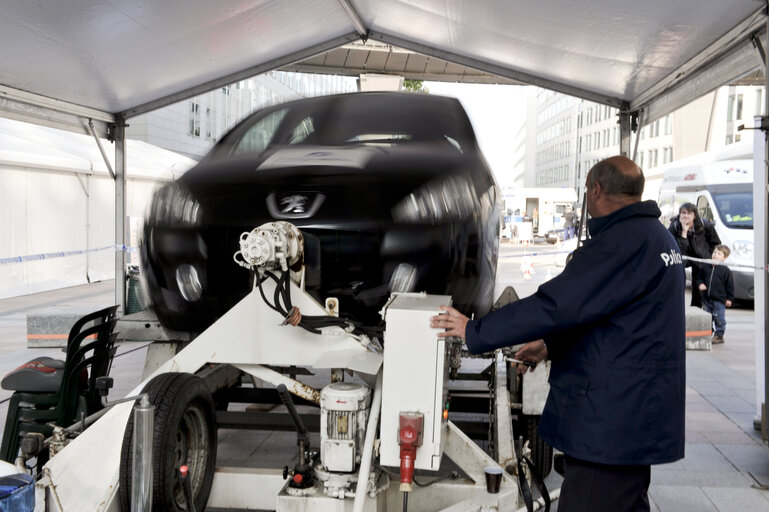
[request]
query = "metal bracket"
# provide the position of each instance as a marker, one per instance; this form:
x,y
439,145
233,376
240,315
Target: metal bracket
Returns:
x,y
763,127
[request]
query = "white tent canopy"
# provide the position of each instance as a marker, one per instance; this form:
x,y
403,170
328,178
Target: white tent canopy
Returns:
x,y
74,59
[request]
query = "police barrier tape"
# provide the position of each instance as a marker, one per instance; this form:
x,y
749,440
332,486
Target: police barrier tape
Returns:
x,y
527,254
63,254
716,262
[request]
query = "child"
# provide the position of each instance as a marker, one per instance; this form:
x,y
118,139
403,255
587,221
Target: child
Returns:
x,y
717,287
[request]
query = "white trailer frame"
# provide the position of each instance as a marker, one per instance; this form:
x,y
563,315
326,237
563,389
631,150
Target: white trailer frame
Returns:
x,y
84,475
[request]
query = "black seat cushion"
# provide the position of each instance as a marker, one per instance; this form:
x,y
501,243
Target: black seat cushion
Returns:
x,y
41,375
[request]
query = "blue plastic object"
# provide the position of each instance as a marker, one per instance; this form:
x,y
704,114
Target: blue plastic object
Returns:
x,y
17,493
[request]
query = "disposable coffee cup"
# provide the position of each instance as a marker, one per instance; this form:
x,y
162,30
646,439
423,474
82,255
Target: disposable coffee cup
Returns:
x,y
493,478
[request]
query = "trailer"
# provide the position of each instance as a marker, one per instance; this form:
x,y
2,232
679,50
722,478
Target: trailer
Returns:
x,y
544,207
391,406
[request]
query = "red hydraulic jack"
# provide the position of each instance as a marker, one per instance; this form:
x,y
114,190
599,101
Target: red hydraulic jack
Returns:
x,y
409,438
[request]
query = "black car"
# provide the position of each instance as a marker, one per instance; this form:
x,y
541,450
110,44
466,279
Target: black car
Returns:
x,y
390,191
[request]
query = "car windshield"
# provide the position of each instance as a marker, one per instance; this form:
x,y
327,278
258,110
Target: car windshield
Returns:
x,y
353,119
735,209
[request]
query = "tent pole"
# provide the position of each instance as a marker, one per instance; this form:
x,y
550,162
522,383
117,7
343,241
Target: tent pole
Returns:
x,y
764,312
624,132
120,211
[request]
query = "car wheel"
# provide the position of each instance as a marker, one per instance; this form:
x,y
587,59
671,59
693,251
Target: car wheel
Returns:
x,y
541,452
184,434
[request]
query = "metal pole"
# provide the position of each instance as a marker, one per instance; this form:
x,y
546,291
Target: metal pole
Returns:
x,y
141,475
764,189
624,132
120,210
368,446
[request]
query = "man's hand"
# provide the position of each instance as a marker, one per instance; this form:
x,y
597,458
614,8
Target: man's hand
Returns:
x,y
532,351
454,321
703,287
728,303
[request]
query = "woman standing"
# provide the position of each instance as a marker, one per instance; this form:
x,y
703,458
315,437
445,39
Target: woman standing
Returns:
x,y
697,238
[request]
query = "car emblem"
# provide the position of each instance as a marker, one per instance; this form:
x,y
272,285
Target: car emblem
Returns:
x,y
294,206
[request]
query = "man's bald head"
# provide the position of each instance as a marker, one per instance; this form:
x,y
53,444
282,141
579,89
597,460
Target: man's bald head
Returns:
x,y
620,178
612,184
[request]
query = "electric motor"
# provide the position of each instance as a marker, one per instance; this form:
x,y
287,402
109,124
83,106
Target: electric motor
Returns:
x,y
344,409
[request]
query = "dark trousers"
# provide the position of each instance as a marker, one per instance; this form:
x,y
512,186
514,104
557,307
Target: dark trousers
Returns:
x,y
696,294
592,487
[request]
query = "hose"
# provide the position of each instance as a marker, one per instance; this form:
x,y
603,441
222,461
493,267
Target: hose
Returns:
x,y
311,324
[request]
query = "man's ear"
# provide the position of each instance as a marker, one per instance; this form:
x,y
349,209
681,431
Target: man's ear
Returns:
x,y
595,189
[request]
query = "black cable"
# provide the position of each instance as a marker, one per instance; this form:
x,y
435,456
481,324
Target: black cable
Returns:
x,y
405,501
311,324
453,475
264,297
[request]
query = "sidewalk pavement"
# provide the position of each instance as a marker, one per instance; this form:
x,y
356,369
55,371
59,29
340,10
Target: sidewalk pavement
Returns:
x,y
726,467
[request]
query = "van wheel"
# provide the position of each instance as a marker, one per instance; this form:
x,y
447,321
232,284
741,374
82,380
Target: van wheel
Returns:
x,y
184,434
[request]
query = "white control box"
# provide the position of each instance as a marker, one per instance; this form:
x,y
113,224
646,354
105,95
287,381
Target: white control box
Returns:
x,y
415,377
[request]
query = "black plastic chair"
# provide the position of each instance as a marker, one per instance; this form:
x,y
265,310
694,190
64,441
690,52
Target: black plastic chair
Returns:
x,y
51,392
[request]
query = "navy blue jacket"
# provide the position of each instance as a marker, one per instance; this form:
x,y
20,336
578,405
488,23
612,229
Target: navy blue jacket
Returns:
x,y
719,281
614,325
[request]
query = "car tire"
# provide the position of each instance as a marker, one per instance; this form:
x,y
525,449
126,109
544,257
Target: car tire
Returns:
x,y
184,433
541,452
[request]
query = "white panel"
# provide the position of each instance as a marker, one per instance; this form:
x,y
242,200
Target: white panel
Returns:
x,y
414,377
101,264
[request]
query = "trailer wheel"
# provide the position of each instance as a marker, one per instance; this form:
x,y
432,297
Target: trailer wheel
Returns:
x,y
185,433
541,452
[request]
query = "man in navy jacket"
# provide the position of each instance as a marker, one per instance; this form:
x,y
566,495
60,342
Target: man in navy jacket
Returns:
x,y
613,325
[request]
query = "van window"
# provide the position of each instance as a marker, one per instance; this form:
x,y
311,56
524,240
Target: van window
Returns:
x,y
703,208
735,209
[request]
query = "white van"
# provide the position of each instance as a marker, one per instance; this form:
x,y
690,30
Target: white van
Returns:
x,y
720,185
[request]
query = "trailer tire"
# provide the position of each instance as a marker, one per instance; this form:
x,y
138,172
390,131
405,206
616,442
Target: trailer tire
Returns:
x,y
184,433
541,452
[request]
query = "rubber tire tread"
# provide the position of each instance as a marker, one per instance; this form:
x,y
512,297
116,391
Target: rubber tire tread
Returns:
x,y
541,452
167,391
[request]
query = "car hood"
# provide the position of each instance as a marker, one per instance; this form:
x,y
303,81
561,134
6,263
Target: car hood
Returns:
x,y
347,184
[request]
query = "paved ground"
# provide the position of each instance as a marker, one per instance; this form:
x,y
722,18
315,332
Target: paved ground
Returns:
x,y
726,465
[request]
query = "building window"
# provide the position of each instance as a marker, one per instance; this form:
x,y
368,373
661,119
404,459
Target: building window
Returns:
x,y
667,155
668,125
730,108
210,123
728,139
194,129
739,106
